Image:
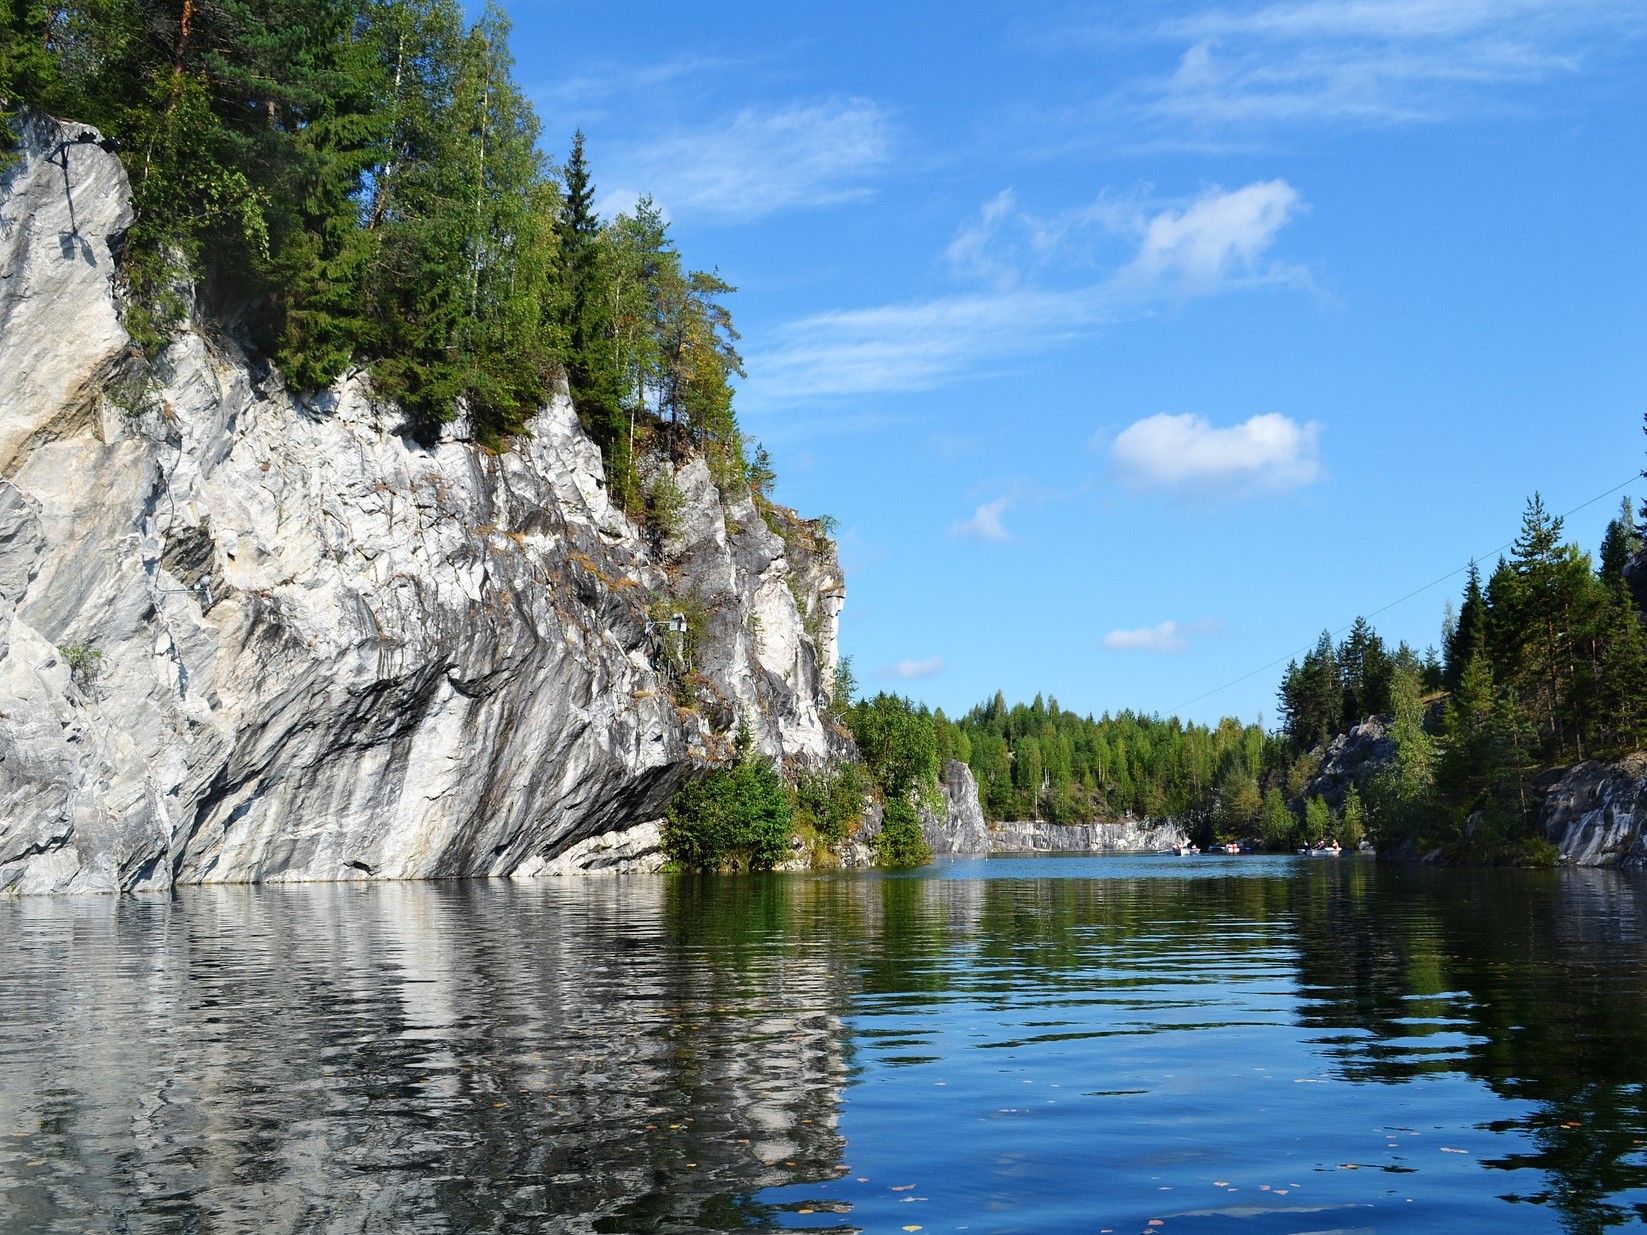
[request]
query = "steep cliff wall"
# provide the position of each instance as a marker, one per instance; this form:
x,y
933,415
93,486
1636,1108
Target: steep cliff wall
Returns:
x,y
246,636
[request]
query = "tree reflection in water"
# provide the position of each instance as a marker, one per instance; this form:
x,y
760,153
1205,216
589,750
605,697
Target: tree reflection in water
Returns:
x,y
679,1054
1534,982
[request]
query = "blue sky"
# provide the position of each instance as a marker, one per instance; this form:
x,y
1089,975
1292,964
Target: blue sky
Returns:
x,y
1134,344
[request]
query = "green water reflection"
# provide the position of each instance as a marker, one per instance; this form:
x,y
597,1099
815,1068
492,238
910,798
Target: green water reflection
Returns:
x,y
705,1054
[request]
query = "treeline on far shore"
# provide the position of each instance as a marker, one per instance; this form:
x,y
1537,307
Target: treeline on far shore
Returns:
x,y
1542,663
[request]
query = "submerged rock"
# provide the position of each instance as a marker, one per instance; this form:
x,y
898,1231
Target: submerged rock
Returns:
x,y
249,636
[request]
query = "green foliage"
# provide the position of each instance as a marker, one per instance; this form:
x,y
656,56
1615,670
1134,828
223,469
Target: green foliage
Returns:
x,y
900,842
842,690
830,800
85,662
358,181
1039,761
731,818
1318,821
1400,796
1277,825
1352,827
897,742
663,612
664,505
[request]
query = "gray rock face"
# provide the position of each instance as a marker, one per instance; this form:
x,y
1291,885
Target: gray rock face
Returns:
x,y
1123,836
963,830
1596,814
245,636
1351,758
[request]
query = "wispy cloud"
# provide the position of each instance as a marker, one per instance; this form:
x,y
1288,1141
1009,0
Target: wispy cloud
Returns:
x,y
931,667
985,522
1167,637
904,347
758,162
625,81
1372,61
1217,237
1188,453
1213,242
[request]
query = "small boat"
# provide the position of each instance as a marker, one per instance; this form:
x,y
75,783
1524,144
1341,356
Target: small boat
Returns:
x,y
1232,847
1322,850
1185,850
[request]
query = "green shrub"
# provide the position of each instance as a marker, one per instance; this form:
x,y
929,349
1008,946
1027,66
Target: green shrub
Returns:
x,y
85,663
830,800
665,505
900,841
732,818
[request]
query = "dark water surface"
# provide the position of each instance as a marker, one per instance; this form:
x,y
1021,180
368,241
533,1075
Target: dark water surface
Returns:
x,y
1013,1045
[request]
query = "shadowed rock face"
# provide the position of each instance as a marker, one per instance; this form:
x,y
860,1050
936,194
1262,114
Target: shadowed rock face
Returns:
x,y
246,636
1596,814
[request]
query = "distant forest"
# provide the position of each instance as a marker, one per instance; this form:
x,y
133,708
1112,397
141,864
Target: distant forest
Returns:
x,y
358,182
1541,665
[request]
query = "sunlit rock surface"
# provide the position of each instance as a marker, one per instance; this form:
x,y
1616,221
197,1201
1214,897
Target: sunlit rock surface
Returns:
x,y
963,829
1122,836
245,636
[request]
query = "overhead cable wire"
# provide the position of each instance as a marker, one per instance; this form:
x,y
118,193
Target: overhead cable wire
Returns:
x,y
1293,655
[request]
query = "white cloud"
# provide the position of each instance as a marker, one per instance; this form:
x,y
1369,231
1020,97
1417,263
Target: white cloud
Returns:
x,y
910,669
985,522
1167,637
1214,242
756,163
1188,453
1217,236
1374,61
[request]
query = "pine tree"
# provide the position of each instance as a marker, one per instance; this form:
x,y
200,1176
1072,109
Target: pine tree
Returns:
x,y
1619,545
1468,637
593,368
1364,668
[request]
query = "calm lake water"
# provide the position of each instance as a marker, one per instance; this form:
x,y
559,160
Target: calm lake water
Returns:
x,y
1166,1045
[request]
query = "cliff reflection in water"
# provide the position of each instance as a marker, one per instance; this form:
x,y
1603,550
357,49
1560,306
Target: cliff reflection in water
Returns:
x,y
1053,1045
414,1057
